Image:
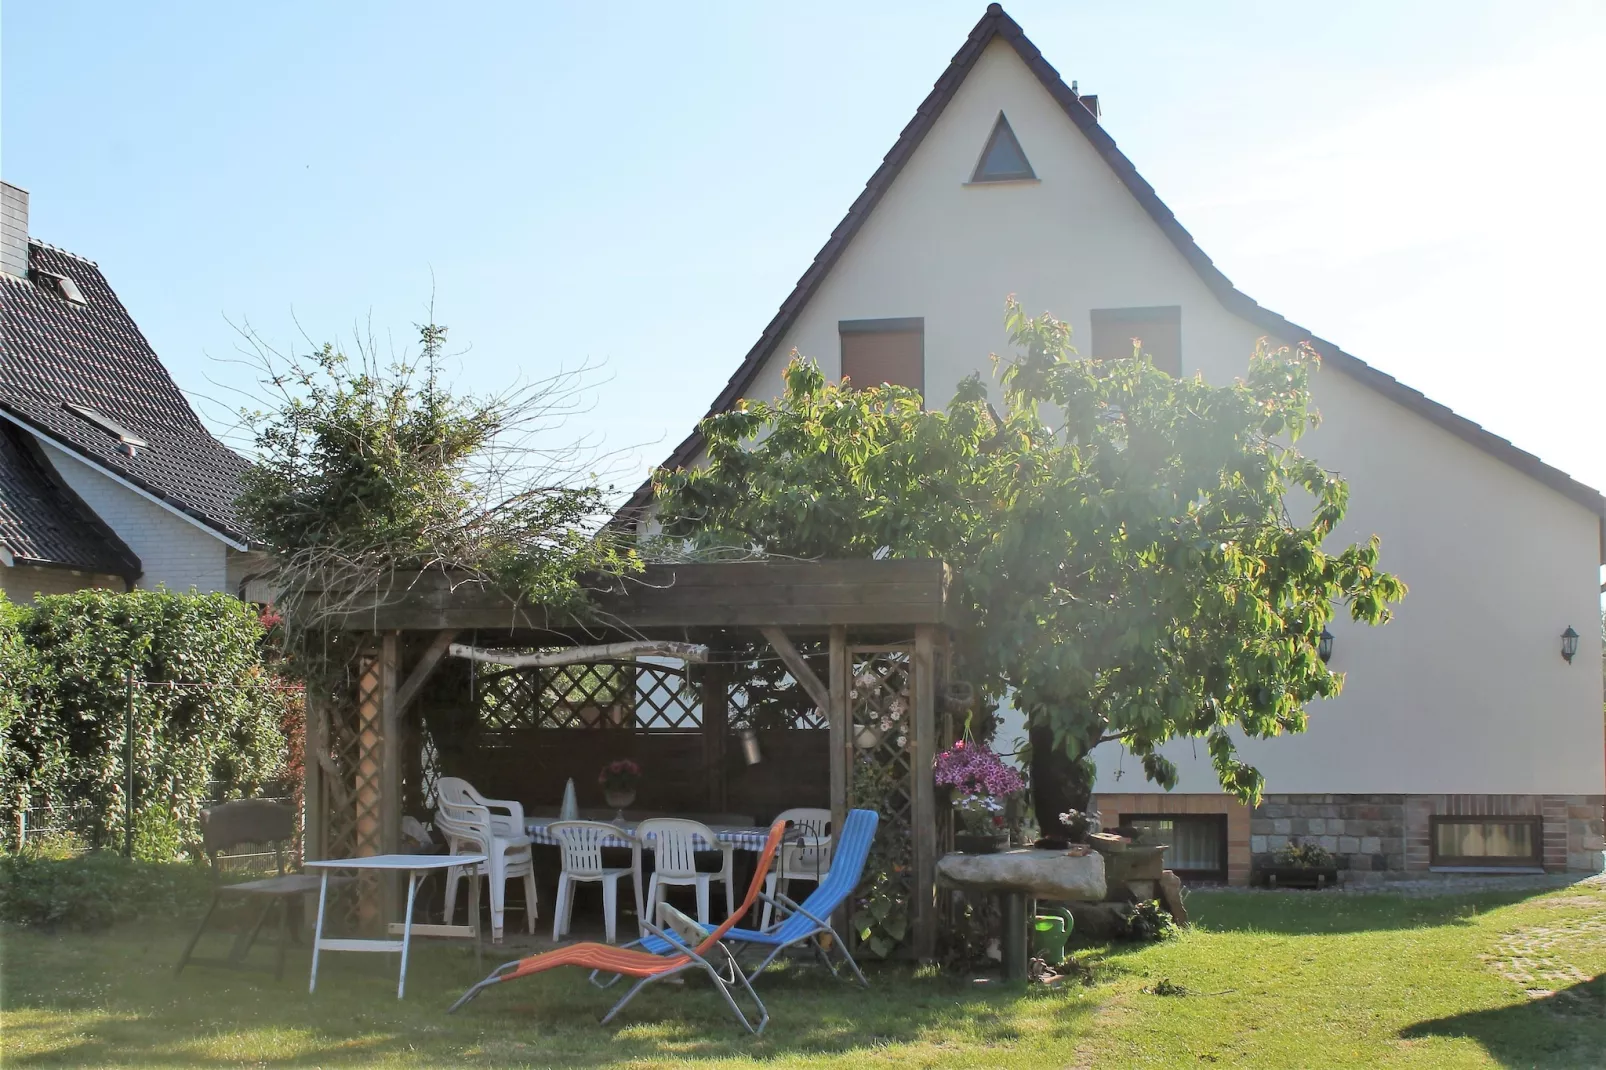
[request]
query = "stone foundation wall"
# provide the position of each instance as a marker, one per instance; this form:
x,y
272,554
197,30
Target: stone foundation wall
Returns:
x,y
1388,834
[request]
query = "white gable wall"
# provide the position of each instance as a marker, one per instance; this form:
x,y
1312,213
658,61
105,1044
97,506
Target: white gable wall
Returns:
x,y
1466,691
174,552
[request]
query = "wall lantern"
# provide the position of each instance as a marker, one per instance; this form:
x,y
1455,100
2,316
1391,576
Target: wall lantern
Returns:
x,y
1324,645
1569,644
750,752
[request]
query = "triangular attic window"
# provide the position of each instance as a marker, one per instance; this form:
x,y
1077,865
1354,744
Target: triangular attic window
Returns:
x,y
1002,160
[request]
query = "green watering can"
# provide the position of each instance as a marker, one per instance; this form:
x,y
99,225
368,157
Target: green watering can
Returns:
x,y
1050,930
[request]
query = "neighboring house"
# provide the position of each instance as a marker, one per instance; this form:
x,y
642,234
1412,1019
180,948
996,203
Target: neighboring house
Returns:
x,y
107,477
1463,739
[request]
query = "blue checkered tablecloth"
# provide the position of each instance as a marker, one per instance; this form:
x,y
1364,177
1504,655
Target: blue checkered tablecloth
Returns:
x,y
741,837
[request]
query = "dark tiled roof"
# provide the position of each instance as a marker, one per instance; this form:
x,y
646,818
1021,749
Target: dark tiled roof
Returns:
x,y
995,23
55,353
42,522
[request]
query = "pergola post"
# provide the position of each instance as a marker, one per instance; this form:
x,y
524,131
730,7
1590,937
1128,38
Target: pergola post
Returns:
x,y
390,763
716,729
314,750
837,721
838,671
923,797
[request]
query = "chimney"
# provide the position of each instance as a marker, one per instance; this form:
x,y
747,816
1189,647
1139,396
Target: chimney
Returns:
x,y
1090,101
13,230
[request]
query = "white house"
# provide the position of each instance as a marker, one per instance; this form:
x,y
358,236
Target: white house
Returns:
x,y
1463,738
107,477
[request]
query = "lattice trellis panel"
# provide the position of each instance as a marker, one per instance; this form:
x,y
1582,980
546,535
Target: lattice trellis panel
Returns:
x,y
745,714
352,762
603,695
881,698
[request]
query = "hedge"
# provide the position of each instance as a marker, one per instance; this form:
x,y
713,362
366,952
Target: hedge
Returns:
x,y
208,713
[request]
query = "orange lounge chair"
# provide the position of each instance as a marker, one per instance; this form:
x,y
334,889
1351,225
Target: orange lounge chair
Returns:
x,y
646,967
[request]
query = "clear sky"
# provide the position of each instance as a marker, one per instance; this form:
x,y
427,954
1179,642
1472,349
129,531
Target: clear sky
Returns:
x,y
641,185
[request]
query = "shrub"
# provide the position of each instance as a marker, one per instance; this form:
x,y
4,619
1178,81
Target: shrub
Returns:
x,y
1149,921
206,712
98,889
1304,856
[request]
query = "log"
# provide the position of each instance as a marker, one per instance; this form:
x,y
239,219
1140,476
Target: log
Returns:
x,y
693,652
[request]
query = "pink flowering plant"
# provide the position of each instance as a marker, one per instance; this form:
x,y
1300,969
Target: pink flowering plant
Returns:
x,y
981,784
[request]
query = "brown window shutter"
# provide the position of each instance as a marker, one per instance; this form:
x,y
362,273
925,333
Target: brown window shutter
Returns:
x,y
1158,328
884,351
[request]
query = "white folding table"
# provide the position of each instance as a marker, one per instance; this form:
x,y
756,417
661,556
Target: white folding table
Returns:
x,y
415,866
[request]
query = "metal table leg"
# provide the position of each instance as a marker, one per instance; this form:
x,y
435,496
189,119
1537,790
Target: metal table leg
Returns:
x,y
407,930
317,936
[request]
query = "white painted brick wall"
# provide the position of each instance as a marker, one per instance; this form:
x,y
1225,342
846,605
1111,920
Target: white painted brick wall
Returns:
x,y
173,551
21,583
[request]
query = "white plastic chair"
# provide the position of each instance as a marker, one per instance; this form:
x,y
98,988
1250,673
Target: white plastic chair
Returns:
x,y
808,861
580,843
674,842
467,820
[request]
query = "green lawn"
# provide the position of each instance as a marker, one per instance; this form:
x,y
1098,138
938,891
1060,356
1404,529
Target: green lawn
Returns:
x,y
1274,981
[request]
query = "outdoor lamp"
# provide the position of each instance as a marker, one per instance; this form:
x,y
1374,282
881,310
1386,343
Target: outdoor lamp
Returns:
x,y
750,750
1324,645
1569,644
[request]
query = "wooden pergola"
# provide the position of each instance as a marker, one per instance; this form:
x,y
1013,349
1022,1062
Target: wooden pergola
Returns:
x,y
878,628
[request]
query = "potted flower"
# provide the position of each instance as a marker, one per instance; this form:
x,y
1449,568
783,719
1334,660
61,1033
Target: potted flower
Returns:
x,y
1299,865
618,779
981,785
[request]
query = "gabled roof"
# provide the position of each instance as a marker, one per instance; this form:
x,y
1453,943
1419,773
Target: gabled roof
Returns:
x,y
42,522
56,353
996,24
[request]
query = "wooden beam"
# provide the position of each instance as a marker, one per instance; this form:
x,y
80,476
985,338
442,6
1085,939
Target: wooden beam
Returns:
x,y
390,780
314,752
693,652
798,667
785,594
837,713
716,733
427,663
923,815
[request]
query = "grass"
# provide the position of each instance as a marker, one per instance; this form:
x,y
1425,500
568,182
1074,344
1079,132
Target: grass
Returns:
x,y
1266,980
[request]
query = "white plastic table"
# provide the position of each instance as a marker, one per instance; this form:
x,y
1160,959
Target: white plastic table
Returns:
x,y
414,866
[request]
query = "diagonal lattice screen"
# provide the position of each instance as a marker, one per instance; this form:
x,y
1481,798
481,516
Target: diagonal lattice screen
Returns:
x,y
637,695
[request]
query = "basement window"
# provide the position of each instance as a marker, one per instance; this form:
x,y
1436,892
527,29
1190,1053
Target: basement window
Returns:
x,y
1196,844
127,441
1485,841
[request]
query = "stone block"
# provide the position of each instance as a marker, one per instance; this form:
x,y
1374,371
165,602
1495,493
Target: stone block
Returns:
x,y
1282,826
1371,845
1360,862
1349,844
1586,861
1171,897
1257,844
1329,842
1046,874
1316,826
1300,826
1099,921
1260,826
1276,843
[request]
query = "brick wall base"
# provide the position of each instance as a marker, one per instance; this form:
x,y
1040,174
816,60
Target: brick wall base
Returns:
x,y
1377,837
1389,834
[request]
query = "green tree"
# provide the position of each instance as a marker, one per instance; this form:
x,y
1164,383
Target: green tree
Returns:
x,y
365,468
1129,545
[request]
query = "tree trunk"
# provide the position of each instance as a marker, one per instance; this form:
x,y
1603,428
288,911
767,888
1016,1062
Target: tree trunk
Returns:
x,y
1059,783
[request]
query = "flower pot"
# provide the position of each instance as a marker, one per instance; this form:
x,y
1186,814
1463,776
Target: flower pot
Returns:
x,y
973,843
619,800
